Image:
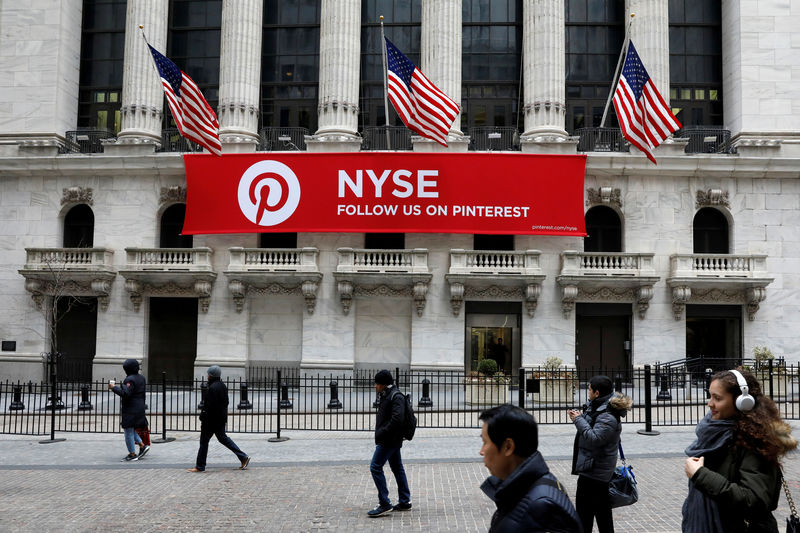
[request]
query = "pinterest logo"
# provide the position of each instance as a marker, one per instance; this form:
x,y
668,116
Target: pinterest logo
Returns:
x,y
269,192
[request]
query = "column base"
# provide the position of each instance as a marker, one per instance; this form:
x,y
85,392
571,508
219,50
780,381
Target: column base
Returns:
x,y
237,144
671,147
758,144
334,141
548,143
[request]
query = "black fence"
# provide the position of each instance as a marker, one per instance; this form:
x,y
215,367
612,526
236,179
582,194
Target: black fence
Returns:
x,y
706,140
601,140
271,400
173,141
283,138
376,138
86,141
493,138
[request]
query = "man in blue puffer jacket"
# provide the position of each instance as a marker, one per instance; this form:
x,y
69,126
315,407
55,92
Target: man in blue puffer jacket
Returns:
x,y
595,452
528,497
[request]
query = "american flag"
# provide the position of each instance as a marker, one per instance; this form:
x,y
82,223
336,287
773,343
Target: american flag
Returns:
x,y
644,116
422,106
195,119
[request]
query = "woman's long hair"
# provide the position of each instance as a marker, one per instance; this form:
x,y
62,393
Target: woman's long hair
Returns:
x,y
761,430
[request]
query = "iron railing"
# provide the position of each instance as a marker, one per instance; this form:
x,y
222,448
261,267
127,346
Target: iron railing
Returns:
x,y
271,399
86,141
375,138
706,139
173,141
601,140
493,139
284,138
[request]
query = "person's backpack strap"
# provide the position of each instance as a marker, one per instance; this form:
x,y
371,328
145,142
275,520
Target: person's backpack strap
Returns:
x,y
550,482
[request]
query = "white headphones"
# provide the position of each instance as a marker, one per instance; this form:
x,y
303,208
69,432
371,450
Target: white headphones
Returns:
x,y
744,402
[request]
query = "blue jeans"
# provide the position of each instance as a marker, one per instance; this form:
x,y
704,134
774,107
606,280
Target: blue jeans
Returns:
x,y
131,439
205,436
379,458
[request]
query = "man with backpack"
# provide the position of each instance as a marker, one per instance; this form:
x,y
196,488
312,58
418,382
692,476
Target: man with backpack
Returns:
x,y
528,497
390,427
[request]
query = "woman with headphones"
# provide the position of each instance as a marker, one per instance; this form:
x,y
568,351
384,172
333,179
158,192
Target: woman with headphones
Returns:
x,y
734,465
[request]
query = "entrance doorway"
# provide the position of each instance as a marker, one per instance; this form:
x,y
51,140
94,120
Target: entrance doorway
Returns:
x,y
76,337
714,332
172,345
602,339
493,332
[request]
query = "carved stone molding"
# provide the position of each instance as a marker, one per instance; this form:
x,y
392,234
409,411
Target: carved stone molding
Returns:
x,y
639,295
172,195
680,296
643,296
494,292
456,297
309,289
345,290
532,293
238,290
97,288
420,291
199,288
77,195
569,293
753,297
604,196
712,197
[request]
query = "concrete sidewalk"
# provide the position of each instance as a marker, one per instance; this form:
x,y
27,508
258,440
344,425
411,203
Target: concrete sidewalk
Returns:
x,y
315,481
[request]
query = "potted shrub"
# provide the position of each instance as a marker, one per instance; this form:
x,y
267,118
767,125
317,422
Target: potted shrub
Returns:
x,y
762,356
557,384
487,386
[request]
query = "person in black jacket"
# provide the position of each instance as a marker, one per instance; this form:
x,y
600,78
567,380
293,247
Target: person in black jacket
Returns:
x,y
388,441
132,402
528,497
595,451
213,418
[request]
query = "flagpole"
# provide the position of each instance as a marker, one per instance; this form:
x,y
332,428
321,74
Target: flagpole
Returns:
x,y
385,88
619,64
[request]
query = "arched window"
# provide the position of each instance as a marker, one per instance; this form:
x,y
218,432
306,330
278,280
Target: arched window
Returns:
x,y
710,232
79,227
171,227
277,240
604,230
492,242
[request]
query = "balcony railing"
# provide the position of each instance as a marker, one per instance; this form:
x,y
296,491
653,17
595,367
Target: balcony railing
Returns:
x,y
169,259
273,260
718,266
494,262
606,264
86,141
173,141
375,138
68,259
493,139
601,140
284,138
406,261
706,139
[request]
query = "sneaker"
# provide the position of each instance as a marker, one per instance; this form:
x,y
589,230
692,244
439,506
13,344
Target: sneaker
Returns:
x,y
379,511
195,469
143,450
131,457
402,507
245,463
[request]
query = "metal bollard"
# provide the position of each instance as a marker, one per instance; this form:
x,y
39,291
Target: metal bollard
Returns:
x,y
664,394
334,403
203,391
425,401
16,403
709,373
648,405
244,403
85,404
618,383
49,405
285,402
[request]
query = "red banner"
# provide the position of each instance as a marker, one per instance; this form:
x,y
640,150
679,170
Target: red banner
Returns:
x,y
385,192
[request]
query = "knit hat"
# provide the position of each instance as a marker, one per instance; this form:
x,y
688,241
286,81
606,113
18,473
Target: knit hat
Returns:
x,y
214,371
384,377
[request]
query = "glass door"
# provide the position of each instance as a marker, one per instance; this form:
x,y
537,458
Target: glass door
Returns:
x,y
493,336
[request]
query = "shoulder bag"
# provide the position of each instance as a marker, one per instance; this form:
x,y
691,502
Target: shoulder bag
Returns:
x,y
793,522
622,487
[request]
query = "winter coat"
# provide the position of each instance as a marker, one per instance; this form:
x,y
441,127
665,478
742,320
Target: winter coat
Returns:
x,y
745,486
390,418
215,406
597,440
523,505
132,396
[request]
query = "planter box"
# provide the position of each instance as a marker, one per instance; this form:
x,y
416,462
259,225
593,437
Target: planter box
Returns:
x,y
489,393
778,384
556,391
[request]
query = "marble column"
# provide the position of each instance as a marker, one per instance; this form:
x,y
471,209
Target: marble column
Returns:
x,y
650,35
240,74
142,94
339,72
441,62
543,57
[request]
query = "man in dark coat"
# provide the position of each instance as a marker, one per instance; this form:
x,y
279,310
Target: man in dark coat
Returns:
x,y
388,441
595,451
528,497
132,404
213,418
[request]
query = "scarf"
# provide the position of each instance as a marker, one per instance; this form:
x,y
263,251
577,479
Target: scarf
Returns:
x,y
700,513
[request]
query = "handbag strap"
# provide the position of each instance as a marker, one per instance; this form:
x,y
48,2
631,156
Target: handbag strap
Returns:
x,y
788,495
621,453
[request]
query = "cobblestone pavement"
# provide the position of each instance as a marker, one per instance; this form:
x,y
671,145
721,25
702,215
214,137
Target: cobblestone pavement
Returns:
x,y
313,482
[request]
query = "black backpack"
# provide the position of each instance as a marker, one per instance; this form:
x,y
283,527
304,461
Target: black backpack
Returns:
x,y
409,420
